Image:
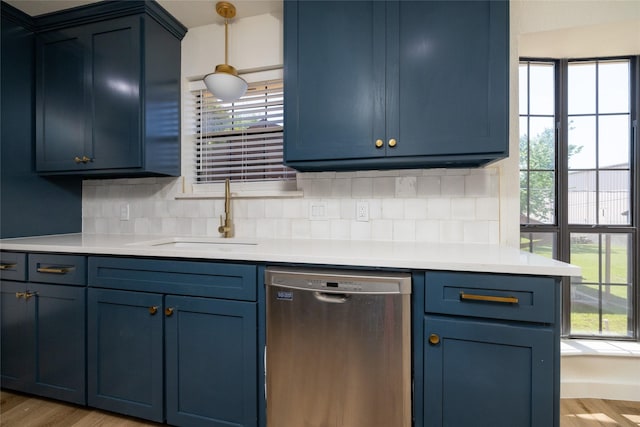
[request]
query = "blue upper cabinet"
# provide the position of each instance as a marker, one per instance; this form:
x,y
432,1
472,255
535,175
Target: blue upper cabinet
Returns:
x,y
380,85
108,91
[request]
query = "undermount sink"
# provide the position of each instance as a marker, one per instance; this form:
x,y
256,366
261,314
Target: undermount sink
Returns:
x,y
196,243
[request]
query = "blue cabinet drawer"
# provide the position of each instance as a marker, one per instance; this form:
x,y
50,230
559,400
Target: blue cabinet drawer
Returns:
x,y
61,269
193,278
495,296
13,266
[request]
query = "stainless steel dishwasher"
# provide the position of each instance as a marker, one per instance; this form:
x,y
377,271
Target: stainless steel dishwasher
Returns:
x,y
338,348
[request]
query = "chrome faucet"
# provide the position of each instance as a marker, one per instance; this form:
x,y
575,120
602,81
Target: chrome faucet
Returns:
x,y
226,225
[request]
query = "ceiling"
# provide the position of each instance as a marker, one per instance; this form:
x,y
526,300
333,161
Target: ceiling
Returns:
x,y
192,13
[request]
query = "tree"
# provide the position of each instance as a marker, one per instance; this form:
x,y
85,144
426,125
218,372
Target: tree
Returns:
x,y
537,188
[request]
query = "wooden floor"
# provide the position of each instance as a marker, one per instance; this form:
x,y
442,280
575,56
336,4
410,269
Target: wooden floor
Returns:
x,y
19,410
596,412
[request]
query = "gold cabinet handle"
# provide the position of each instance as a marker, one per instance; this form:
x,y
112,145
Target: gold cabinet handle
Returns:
x,y
7,266
392,143
434,339
379,143
20,294
168,311
488,298
153,310
77,159
53,270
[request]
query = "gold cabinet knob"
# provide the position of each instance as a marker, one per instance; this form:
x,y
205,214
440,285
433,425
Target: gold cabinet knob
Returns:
x,y
379,143
83,159
434,339
168,311
21,294
153,310
392,142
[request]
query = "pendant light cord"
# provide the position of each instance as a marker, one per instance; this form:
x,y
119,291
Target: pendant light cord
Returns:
x,y
226,41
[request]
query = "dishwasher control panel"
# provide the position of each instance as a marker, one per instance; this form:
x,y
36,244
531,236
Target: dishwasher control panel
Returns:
x,y
336,281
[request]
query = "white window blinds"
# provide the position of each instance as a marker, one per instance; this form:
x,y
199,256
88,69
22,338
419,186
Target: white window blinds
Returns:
x,y
241,140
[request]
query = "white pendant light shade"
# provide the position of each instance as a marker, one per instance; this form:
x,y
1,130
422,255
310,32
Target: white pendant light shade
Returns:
x,y
224,83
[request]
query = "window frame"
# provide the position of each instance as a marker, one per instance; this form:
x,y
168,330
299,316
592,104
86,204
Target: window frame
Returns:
x,y
561,228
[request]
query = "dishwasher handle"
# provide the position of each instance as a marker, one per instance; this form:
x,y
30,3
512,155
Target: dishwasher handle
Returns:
x,y
331,297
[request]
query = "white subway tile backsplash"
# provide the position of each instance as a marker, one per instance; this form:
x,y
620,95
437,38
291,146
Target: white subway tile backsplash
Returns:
x,y
300,229
393,209
463,208
384,187
476,231
360,230
433,205
382,229
406,186
452,185
415,208
451,231
439,208
273,208
320,229
362,188
375,209
341,188
487,208
427,231
340,229
485,185
404,230
347,208
428,186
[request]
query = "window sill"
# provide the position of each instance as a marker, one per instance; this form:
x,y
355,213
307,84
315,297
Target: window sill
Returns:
x,y
571,348
247,194
241,190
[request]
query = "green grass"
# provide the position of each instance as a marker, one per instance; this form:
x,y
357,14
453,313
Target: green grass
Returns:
x,y
584,314
587,324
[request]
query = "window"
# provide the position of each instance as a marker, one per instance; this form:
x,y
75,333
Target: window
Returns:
x,y
579,185
241,140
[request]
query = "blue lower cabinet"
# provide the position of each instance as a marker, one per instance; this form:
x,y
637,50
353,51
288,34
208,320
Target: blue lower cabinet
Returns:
x,y
125,352
485,373
188,360
211,368
43,339
17,338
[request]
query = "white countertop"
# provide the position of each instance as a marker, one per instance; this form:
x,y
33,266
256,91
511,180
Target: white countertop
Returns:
x,y
409,255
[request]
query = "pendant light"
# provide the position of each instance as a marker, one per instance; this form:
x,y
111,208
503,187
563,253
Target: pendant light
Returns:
x,y
224,83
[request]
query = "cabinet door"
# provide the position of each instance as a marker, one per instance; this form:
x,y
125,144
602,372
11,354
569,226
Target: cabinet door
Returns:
x,y
211,362
62,70
60,326
125,352
115,106
17,337
448,64
488,374
334,79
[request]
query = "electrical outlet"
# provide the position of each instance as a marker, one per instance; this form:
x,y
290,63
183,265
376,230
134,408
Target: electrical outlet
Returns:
x,y
124,212
318,210
362,211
